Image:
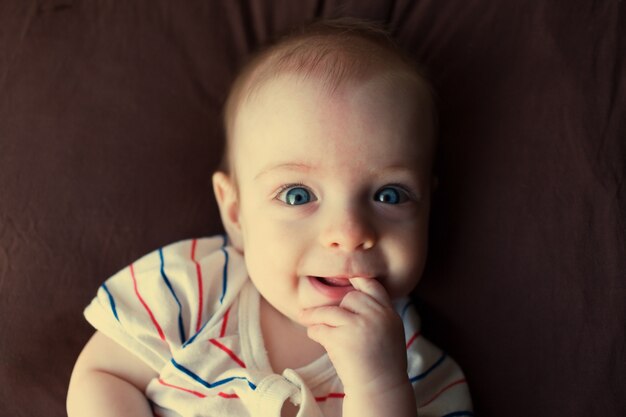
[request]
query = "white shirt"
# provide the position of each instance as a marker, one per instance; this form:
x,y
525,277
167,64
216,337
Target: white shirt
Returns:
x,y
189,311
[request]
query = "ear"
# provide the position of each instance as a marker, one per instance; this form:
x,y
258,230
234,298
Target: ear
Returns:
x,y
228,203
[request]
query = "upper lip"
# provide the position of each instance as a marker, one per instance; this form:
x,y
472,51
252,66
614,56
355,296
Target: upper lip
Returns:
x,y
345,276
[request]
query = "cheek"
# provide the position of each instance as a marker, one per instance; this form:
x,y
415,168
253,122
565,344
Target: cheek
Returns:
x,y
406,260
270,247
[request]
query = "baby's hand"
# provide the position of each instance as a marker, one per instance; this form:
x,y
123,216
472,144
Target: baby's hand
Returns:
x,y
364,338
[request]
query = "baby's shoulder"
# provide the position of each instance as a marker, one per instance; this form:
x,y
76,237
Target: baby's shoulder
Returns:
x,y
204,268
167,297
184,251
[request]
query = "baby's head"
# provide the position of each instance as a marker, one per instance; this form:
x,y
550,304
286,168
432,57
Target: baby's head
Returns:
x,y
334,55
327,169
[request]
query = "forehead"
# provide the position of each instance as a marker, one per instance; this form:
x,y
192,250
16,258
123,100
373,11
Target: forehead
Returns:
x,y
295,118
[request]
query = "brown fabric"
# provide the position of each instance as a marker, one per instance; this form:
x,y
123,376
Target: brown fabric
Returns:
x,y
109,131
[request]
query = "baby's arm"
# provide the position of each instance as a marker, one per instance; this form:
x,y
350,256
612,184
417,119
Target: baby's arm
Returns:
x,y
364,338
108,380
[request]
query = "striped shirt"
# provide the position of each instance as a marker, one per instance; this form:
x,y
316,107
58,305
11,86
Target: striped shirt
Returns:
x,y
189,311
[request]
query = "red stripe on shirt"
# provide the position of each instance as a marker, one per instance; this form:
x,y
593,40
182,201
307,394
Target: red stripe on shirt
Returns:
x,y
154,321
229,396
229,352
442,390
200,290
331,395
224,323
196,393
412,339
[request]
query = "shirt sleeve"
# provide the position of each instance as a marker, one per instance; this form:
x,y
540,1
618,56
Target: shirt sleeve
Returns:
x,y
439,384
162,301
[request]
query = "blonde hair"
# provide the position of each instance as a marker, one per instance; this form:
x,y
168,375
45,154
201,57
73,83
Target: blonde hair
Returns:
x,y
332,52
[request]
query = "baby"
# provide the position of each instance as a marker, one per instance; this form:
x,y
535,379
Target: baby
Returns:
x,y
302,310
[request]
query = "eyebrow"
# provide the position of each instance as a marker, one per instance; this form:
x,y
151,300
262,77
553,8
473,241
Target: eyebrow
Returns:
x,y
289,166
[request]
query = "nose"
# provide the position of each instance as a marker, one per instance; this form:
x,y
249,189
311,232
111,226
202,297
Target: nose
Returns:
x,y
349,231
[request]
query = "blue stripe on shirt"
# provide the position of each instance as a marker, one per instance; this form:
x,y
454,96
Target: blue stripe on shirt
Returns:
x,y
209,384
181,328
224,275
224,288
405,308
429,370
111,301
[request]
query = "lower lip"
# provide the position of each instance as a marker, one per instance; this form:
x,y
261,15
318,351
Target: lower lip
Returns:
x,y
334,293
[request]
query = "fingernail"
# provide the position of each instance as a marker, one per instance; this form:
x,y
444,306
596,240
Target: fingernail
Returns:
x,y
355,280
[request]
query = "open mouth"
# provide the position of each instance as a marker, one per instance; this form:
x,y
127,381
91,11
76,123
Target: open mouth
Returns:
x,y
334,282
332,288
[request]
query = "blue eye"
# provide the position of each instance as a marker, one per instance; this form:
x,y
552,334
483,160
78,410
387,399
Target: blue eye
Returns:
x,y
391,195
296,195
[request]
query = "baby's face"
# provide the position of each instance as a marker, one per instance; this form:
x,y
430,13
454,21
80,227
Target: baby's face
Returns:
x,y
332,186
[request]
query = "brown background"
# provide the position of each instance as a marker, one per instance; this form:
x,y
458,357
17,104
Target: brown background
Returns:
x,y
109,131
